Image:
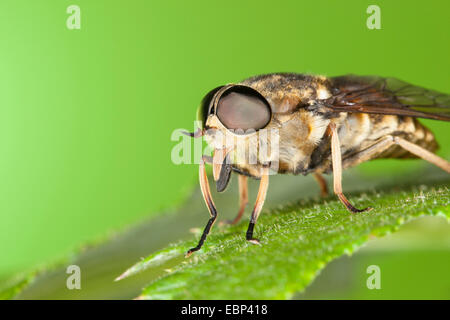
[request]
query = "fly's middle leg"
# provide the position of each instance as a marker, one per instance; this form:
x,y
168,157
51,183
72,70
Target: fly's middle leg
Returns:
x,y
322,184
371,152
337,171
243,199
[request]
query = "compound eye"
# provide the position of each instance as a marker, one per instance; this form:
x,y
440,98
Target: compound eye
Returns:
x,y
243,108
205,106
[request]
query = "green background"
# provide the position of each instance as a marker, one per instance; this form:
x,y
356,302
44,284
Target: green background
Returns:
x,y
86,115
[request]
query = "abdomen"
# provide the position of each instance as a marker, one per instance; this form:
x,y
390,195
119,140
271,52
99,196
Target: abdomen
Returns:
x,y
360,131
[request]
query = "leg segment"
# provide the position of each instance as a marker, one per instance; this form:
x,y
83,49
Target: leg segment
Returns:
x,y
386,142
423,153
369,153
243,199
322,184
337,171
206,192
262,192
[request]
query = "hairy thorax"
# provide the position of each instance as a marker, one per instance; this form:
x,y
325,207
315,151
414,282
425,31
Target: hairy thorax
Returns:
x,y
302,121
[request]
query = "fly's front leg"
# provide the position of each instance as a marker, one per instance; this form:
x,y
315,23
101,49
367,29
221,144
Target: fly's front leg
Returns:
x,y
262,192
206,192
337,171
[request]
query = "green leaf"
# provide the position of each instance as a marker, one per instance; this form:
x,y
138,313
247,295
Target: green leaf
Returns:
x,y
289,232
13,286
298,240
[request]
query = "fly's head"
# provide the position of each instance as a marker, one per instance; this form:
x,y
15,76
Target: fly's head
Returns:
x,y
237,125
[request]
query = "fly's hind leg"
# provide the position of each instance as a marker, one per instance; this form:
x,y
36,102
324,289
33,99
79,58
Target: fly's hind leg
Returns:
x,y
372,151
386,142
423,153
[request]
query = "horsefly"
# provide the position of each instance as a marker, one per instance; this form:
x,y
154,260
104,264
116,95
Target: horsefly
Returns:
x,y
301,124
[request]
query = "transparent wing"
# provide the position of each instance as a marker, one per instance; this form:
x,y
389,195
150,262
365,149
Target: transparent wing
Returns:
x,y
370,94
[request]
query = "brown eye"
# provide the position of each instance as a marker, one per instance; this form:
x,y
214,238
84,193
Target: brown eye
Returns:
x,y
243,108
204,109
